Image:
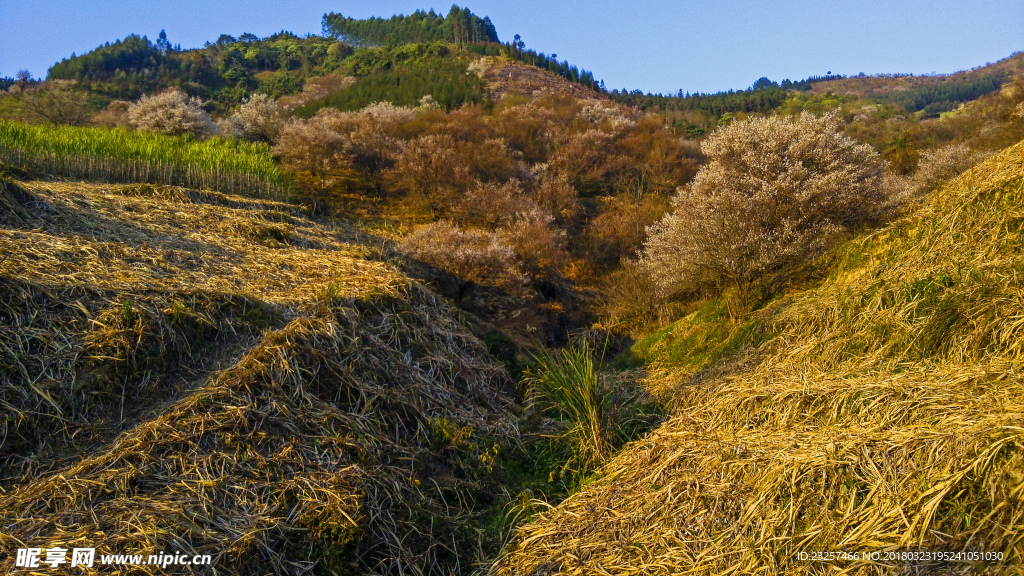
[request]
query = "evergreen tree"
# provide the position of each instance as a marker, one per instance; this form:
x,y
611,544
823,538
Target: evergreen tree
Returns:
x,y
161,43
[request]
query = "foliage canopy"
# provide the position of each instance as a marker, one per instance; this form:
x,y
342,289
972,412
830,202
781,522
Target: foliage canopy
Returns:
x,y
460,26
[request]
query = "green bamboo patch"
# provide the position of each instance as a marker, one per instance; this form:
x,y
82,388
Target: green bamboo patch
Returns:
x,y
117,155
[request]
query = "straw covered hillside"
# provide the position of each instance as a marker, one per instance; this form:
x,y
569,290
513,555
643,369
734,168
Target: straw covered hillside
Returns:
x,y
214,374
883,412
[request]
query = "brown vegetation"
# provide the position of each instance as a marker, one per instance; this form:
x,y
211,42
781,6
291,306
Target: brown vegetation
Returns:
x,y
568,185
58,102
505,77
473,256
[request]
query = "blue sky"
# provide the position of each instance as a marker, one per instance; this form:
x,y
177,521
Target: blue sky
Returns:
x,y
658,46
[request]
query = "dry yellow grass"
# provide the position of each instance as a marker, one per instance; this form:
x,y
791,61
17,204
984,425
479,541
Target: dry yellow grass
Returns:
x,y
211,374
127,238
887,415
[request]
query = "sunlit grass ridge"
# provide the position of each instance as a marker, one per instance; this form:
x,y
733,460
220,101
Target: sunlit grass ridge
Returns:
x,y
885,416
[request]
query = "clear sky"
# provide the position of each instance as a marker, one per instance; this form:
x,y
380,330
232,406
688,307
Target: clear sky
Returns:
x,y
656,46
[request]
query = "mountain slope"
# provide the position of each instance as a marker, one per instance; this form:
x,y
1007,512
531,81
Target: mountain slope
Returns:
x,y
885,416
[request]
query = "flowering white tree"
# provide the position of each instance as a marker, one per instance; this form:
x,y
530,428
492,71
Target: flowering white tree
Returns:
x,y
773,192
171,112
259,118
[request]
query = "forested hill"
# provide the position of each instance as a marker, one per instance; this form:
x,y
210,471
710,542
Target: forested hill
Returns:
x,y
459,27
401,58
383,54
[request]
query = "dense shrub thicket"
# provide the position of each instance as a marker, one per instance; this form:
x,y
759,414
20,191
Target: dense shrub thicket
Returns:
x,y
568,185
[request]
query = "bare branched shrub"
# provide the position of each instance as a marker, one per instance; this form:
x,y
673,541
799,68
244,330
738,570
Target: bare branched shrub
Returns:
x,y
259,118
312,150
490,205
491,160
538,244
388,114
621,228
560,199
376,135
629,297
939,165
773,192
648,159
115,114
366,137
473,256
58,103
171,112
584,159
529,128
429,170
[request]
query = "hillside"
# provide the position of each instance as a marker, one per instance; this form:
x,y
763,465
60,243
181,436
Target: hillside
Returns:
x,y
883,84
212,374
402,299
226,71
931,93
883,414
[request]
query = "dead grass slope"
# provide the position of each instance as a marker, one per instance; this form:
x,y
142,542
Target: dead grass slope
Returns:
x,y
503,77
886,415
211,374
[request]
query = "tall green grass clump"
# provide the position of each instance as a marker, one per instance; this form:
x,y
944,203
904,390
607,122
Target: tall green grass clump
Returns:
x,y
568,382
118,155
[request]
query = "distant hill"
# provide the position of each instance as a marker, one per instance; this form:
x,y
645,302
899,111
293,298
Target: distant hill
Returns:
x,y
933,93
392,59
224,71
